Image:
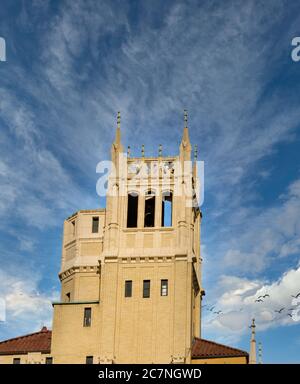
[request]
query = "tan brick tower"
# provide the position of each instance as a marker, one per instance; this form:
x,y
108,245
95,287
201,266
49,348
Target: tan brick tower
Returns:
x,y
131,273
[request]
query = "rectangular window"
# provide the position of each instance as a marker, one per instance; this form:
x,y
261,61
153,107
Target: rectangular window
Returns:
x,y
95,226
49,360
128,288
146,288
164,287
16,360
89,360
87,319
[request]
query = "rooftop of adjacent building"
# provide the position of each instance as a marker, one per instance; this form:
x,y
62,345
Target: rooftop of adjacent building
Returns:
x,y
96,210
209,349
33,342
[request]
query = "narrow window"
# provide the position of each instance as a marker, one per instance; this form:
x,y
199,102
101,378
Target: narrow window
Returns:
x,y
89,360
128,288
166,213
164,288
49,360
73,227
68,297
16,360
87,319
149,209
95,225
146,288
132,210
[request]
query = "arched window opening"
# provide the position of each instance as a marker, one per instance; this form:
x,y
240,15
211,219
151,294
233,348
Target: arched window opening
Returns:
x,y
149,219
166,209
132,210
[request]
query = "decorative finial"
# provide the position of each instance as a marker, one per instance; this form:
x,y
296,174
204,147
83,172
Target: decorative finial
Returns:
x,y
119,119
195,152
160,150
185,118
143,150
252,354
117,142
128,151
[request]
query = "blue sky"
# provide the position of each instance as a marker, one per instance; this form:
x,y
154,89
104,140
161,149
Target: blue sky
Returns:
x,y
71,65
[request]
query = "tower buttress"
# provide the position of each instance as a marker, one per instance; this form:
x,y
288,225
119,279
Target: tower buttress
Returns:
x,y
184,181
113,201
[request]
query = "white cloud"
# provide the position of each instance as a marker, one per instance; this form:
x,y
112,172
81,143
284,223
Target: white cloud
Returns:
x,y
26,308
237,297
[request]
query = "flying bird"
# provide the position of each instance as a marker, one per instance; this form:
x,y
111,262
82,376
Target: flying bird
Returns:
x,y
211,309
296,296
279,310
258,301
290,315
266,295
217,312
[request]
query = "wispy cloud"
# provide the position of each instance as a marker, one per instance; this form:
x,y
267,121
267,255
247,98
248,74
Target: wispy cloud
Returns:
x,y
85,60
274,233
33,180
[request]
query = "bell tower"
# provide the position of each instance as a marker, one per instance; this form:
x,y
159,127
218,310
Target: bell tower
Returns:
x,y
150,283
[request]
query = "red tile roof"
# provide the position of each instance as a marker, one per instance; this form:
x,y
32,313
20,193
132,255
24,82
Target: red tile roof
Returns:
x,y
41,342
205,349
35,342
